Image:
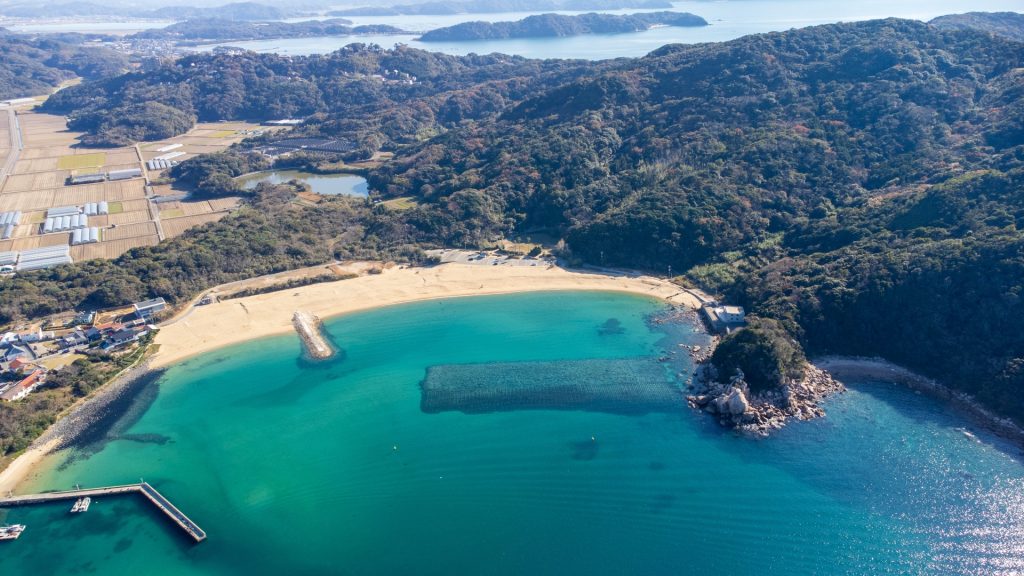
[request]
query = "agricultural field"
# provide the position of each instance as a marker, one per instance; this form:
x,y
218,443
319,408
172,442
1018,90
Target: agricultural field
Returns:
x,y
177,226
39,181
205,137
81,161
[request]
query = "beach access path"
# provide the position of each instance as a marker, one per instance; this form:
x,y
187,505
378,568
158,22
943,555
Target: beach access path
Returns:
x,y
212,326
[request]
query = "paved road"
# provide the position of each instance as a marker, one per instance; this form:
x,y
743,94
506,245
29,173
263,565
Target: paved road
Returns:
x,y
16,146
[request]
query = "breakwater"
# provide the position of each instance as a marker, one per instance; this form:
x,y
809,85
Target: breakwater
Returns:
x,y
308,326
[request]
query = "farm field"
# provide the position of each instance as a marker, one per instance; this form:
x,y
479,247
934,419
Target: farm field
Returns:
x,y
39,181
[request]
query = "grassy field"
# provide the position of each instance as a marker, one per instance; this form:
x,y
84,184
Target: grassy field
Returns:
x,y
115,207
403,203
175,213
78,161
222,134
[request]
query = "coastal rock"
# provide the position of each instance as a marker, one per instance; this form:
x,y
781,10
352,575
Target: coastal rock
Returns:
x,y
756,415
737,402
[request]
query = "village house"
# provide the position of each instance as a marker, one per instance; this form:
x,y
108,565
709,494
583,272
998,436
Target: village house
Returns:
x,y
24,387
146,310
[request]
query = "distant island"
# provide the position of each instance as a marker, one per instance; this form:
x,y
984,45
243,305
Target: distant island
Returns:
x,y
243,11
194,31
498,6
1006,24
559,25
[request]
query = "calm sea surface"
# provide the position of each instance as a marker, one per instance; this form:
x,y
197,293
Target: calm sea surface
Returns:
x,y
297,468
326,184
729,19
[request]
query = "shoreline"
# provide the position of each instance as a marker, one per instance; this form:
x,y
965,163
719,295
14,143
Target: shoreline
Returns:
x,y
196,330
213,326
852,367
69,426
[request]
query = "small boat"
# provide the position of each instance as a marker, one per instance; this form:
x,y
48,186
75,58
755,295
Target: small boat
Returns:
x,y
81,505
11,532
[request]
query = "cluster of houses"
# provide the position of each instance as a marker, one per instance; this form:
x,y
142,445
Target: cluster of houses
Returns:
x,y
25,355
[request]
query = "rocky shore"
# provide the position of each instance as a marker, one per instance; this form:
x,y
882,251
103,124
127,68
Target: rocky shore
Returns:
x,y
758,414
82,423
849,368
85,419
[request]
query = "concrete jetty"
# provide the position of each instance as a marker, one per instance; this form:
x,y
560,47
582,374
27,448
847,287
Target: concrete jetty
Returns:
x,y
308,327
144,488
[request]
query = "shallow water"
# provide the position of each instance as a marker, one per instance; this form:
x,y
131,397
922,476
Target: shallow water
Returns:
x,y
326,184
335,468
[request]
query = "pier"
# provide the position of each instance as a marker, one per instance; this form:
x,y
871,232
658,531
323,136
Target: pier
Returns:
x,y
151,494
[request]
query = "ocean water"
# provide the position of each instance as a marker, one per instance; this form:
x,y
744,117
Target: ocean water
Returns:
x,y
729,19
336,468
326,184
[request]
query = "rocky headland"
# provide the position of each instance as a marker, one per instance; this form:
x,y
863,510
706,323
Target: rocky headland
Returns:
x,y
757,414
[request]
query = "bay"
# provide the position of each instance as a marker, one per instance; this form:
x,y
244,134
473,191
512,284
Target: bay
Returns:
x,y
336,468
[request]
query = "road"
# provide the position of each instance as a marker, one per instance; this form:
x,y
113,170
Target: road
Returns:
x,y
16,146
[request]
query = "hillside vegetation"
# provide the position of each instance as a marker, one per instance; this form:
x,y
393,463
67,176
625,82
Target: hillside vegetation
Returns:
x,y
30,66
1006,24
859,186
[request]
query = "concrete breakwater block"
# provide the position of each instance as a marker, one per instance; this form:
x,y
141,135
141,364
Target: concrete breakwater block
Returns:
x,y
620,386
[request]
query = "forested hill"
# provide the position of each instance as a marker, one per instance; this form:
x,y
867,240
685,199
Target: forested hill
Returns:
x,y
558,25
1006,24
207,29
30,66
861,183
445,7
357,85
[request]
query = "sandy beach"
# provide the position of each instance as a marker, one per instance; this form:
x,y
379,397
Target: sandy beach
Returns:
x,y
213,326
22,466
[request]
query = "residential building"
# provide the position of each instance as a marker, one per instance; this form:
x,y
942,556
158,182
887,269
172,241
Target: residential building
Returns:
x,y
146,310
23,388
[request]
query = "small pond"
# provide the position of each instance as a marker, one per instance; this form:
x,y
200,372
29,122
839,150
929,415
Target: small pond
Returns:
x,y
325,184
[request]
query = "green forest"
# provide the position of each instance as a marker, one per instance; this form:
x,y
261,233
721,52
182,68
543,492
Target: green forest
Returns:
x,y
858,186
31,66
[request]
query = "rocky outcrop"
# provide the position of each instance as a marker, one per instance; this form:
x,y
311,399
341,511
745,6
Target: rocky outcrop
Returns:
x,y
757,415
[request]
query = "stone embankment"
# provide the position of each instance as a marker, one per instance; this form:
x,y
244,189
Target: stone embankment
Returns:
x,y
757,415
308,326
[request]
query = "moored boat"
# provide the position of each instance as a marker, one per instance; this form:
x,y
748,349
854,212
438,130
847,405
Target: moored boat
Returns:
x,y
81,505
11,532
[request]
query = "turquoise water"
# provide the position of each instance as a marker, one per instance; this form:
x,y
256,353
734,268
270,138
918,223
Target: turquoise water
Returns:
x,y
326,184
334,468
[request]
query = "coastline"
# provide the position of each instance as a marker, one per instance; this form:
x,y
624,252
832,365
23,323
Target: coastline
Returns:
x,y
854,367
70,425
200,329
212,326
